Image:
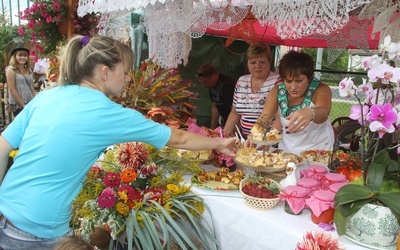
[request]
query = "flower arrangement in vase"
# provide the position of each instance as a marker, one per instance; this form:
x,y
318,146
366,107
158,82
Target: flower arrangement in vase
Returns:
x,y
125,191
41,30
379,118
161,94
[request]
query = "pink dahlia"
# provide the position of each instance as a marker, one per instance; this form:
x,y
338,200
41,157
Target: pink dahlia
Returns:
x,y
132,155
106,198
319,241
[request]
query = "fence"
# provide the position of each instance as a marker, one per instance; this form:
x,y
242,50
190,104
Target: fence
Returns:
x,y
340,105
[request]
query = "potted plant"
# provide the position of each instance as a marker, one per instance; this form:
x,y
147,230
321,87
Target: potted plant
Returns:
x,y
378,116
41,29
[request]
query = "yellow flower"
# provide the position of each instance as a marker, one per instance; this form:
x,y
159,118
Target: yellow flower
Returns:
x,y
13,153
122,208
172,187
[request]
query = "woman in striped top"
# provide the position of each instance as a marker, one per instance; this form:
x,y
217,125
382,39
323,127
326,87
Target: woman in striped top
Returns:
x,y
251,90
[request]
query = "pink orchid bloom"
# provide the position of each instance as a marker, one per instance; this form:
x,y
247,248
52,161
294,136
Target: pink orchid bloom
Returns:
x,y
377,126
383,117
356,111
385,114
346,87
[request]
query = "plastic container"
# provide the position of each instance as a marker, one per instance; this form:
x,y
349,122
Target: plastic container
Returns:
x,y
321,204
295,199
332,178
309,184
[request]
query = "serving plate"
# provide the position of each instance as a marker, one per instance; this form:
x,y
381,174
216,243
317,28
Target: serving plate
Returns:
x,y
221,180
349,235
216,186
317,157
268,161
263,142
200,156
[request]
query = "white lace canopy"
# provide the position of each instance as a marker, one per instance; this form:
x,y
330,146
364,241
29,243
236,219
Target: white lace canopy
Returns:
x,y
171,24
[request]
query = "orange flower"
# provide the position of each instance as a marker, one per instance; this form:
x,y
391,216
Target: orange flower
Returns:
x,y
128,175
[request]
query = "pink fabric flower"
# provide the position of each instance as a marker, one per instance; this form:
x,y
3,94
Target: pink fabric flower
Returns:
x,y
106,198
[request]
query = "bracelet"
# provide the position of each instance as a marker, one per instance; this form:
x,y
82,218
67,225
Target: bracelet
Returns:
x,y
312,113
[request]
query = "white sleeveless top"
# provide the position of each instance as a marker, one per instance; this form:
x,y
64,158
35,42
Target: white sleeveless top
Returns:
x,y
313,136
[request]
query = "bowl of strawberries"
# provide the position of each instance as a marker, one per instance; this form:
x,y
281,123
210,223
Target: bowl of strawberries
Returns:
x,y
260,192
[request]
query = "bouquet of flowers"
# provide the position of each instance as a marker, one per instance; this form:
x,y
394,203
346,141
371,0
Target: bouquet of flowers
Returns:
x,y
160,94
126,192
41,30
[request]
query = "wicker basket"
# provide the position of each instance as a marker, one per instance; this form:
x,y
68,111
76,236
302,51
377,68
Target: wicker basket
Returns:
x,y
258,203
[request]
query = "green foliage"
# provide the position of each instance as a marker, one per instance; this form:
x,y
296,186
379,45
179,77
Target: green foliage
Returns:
x,y
339,64
7,35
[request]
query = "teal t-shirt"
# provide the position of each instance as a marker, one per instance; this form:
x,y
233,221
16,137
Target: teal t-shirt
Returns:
x,y
60,134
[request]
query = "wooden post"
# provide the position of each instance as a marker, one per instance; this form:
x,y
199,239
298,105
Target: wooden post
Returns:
x,y
71,10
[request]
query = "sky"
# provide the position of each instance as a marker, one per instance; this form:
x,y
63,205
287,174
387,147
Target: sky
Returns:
x,y
7,5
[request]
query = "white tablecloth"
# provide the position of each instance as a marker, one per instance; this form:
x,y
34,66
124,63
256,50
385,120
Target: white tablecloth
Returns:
x,y
241,227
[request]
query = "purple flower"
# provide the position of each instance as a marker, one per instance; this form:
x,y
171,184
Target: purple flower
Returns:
x,y
106,198
384,114
382,118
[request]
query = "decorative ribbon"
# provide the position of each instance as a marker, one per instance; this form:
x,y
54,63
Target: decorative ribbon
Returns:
x,y
297,204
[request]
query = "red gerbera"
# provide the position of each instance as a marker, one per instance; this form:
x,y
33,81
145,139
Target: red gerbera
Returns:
x,y
132,155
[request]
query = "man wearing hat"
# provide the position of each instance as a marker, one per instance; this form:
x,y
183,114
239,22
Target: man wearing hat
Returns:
x,y
221,89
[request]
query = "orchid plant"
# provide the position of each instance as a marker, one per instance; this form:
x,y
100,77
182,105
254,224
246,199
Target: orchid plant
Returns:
x,y
379,116
380,111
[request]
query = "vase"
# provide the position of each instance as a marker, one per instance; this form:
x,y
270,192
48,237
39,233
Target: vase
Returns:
x,y
374,225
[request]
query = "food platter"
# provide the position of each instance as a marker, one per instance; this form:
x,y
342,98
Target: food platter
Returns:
x,y
263,142
201,156
317,157
268,161
221,180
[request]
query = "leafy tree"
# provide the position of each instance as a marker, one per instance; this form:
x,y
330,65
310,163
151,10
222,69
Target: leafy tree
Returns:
x,y
7,34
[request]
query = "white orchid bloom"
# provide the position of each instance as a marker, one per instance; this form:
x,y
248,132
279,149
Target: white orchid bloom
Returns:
x,y
346,87
386,42
384,73
365,87
370,62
